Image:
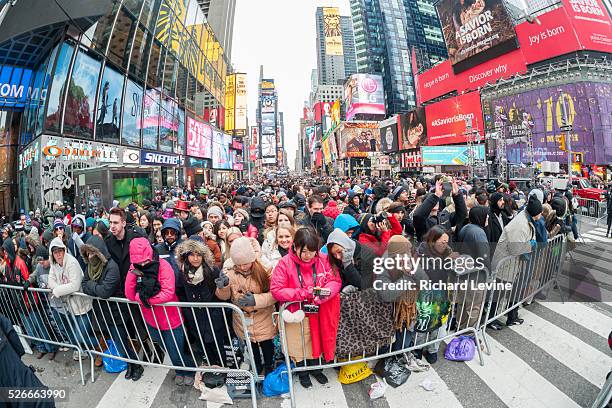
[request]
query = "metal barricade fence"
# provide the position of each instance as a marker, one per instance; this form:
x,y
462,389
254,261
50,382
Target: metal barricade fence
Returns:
x,y
199,341
466,307
592,210
528,275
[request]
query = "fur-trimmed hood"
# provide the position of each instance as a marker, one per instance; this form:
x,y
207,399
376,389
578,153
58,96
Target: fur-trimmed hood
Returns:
x,y
191,245
33,239
95,245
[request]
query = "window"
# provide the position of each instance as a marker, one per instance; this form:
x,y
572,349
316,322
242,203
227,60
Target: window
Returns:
x,y
130,134
109,106
121,40
52,121
150,119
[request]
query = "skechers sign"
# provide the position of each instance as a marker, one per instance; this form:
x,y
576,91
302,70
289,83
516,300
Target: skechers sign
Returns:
x,y
154,158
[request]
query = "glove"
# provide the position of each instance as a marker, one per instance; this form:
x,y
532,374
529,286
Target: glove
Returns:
x,y
318,220
347,258
349,289
247,300
222,281
304,294
147,287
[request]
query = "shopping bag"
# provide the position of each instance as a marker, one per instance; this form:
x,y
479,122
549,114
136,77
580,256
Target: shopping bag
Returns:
x,y
277,382
113,365
460,348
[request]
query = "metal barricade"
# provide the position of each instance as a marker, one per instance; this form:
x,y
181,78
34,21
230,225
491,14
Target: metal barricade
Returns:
x,y
197,337
466,307
527,275
592,210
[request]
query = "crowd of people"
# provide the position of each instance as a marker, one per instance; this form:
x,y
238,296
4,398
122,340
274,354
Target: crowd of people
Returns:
x,y
259,245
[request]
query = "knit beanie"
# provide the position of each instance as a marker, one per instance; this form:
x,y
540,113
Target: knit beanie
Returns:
x,y
534,206
214,210
58,224
396,193
398,245
241,251
242,211
41,253
363,222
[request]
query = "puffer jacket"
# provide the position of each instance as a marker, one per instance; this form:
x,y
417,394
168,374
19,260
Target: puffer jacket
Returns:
x,y
67,279
201,292
516,239
285,286
261,326
141,251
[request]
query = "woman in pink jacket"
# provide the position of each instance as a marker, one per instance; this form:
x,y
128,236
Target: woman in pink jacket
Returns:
x,y
150,282
305,275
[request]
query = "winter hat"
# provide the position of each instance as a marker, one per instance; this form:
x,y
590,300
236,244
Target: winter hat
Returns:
x,y
58,224
102,226
90,222
130,221
205,223
168,213
539,194
241,251
242,211
398,245
258,207
363,222
78,222
41,253
214,210
534,206
396,208
299,200
478,215
332,211
396,193
558,204
47,236
192,226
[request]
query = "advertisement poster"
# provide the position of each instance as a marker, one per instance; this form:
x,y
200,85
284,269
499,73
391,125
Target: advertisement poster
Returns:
x,y
199,139
451,155
491,71
332,31
221,151
588,111
81,97
412,129
448,120
131,188
436,81
109,106
364,94
241,104
310,136
268,145
268,103
335,114
326,151
131,114
592,24
475,26
388,135
360,139
554,36
230,102
168,124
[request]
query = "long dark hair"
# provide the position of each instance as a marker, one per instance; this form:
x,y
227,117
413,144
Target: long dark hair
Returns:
x,y
307,238
433,235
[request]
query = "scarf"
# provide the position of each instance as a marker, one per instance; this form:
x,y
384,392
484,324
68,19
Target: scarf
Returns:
x,y
282,251
195,276
95,266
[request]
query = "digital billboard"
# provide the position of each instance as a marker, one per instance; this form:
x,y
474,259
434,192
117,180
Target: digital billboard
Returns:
x,y
451,155
592,24
447,120
199,139
435,82
240,115
364,94
311,137
332,31
230,102
589,111
388,135
268,103
221,151
268,145
473,27
359,139
412,128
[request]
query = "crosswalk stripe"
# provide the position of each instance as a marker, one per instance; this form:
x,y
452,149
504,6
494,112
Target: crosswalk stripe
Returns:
x,y
516,383
141,394
328,395
589,262
582,315
588,362
440,397
596,237
598,231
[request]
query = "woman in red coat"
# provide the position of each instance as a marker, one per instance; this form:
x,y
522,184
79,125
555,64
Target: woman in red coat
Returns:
x,y
377,235
305,275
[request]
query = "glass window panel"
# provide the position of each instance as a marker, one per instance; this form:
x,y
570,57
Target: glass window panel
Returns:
x,y
109,106
180,146
139,53
150,119
132,114
52,122
170,67
181,86
81,96
152,78
119,46
168,125
149,13
133,6
45,89
103,29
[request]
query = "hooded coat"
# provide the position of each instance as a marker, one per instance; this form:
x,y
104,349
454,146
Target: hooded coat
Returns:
x,y
201,292
75,243
474,236
120,252
67,279
141,251
106,286
358,273
495,227
515,240
352,209
285,286
378,244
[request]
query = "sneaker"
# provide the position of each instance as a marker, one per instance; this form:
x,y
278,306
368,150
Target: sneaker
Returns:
x,y
417,366
431,357
320,377
495,325
75,356
515,322
64,349
179,380
137,371
305,380
189,381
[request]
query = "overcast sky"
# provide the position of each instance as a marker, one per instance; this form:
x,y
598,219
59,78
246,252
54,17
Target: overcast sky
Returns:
x,y
281,36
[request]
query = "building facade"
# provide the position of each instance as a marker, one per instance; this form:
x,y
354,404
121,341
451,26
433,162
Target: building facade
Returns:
x,y
111,107
334,69
386,33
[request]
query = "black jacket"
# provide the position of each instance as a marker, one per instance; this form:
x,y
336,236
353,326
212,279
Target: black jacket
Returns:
x,y
323,230
423,221
359,273
351,209
120,253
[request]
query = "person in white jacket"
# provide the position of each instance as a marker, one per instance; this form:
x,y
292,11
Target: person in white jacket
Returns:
x,y
277,244
72,313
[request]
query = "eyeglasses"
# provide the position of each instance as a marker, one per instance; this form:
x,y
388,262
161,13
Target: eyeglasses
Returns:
x,y
59,228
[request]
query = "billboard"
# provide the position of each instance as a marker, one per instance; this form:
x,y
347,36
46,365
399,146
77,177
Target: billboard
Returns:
x,y
490,71
268,145
230,103
335,114
412,128
311,135
475,26
267,85
592,24
199,139
332,31
268,103
554,36
388,135
447,120
240,115
451,155
268,123
589,111
436,81
364,94
359,139
221,151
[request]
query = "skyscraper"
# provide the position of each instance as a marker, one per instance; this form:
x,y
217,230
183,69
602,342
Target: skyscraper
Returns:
x,y
386,31
220,15
333,69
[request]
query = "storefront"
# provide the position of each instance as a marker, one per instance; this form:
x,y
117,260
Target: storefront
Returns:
x,y
197,172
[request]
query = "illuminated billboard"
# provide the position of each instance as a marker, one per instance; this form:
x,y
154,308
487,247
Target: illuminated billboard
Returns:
x,y
359,139
451,155
240,115
388,135
230,105
592,24
332,31
364,94
412,128
448,120
475,26
221,151
199,139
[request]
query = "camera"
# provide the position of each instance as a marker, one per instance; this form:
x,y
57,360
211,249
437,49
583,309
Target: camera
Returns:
x,y
321,292
310,308
378,218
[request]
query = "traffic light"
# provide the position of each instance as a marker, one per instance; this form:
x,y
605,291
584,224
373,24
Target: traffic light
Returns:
x,y
578,157
562,143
